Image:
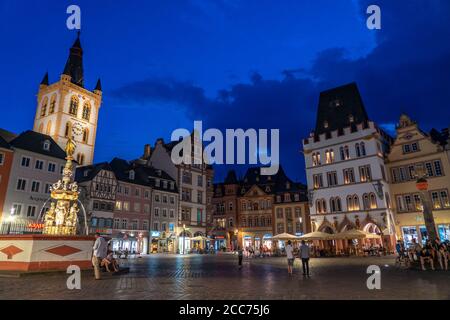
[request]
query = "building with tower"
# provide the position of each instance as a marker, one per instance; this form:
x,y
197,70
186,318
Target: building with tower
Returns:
x,y
346,175
66,107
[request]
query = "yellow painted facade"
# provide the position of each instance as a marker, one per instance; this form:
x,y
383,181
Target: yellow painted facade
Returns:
x,y
413,151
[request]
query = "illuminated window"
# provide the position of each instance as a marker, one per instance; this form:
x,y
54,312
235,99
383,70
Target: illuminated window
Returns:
x,y
85,135
44,107
68,130
86,111
73,108
52,104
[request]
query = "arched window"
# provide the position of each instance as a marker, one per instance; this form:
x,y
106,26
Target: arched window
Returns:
x,y
332,205
349,203
73,109
85,135
80,159
373,201
346,153
355,202
338,204
41,128
48,131
341,151
68,130
318,206
366,203
363,149
358,150
86,111
52,104
44,107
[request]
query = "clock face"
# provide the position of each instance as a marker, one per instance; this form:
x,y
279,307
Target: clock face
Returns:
x,y
77,129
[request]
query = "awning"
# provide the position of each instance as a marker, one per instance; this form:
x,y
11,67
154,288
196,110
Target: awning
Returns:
x,y
285,236
316,235
200,238
354,234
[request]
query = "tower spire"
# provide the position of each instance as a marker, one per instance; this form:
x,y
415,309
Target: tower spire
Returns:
x,y
44,81
98,86
74,64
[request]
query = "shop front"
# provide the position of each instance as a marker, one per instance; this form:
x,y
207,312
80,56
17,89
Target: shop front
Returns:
x,y
130,242
220,243
184,242
421,235
162,242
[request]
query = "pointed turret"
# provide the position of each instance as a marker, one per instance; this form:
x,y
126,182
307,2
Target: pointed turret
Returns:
x,y
98,86
74,64
44,81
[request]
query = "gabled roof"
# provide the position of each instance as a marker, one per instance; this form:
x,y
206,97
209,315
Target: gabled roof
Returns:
x,y
339,108
87,173
231,177
143,175
34,142
4,144
7,135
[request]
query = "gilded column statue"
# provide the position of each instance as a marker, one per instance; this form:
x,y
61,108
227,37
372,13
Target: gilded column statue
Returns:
x,y
62,217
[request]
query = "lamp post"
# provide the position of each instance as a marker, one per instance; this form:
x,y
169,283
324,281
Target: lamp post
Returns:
x,y
422,186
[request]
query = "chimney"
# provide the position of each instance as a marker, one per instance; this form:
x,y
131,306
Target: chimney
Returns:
x,y
147,151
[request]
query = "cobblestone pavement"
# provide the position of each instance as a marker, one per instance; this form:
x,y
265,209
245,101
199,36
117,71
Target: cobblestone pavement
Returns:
x,y
203,277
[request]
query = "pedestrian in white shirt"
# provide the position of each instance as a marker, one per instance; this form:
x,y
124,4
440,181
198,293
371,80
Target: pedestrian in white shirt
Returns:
x,y
100,249
290,256
304,255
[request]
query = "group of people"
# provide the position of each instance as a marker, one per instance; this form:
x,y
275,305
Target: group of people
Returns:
x,y
303,253
262,251
429,253
103,257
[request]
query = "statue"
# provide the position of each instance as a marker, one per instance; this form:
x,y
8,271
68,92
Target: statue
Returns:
x,y
71,220
70,147
50,216
61,218
61,210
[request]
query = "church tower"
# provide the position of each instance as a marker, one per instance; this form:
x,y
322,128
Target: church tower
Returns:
x,y
67,108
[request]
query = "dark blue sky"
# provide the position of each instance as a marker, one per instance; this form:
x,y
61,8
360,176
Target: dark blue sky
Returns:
x,y
231,63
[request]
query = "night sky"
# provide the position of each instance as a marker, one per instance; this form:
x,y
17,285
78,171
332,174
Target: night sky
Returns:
x,y
231,63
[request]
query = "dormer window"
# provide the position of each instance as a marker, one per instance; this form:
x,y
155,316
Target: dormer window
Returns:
x,y
351,119
325,124
85,173
336,103
131,175
288,185
172,186
46,145
157,182
267,189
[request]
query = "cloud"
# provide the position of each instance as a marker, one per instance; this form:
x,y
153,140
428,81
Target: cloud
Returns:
x,y
408,71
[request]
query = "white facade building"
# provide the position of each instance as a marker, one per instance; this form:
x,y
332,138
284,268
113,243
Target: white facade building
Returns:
x,y
346,175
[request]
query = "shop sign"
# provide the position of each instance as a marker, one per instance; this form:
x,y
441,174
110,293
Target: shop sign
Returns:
x,y
156,234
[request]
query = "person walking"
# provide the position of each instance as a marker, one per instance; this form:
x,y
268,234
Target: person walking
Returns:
x,y
290,256
100,249
240,256
304,255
